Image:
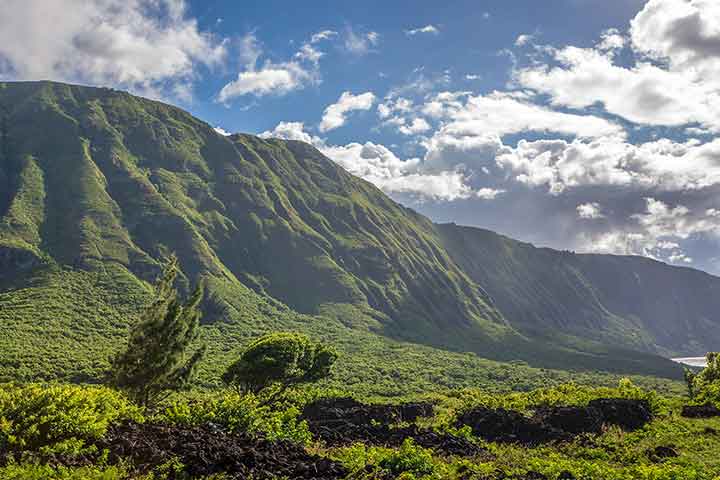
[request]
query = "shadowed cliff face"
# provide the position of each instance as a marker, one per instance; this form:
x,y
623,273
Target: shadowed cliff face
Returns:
x,y
630,301
101,181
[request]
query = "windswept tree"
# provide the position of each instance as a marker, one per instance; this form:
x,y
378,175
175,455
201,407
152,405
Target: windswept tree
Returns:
x,y
158,358
280,359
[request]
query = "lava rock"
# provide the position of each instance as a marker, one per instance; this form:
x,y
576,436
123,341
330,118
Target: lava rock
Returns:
x,y
500,425
700,411
205,451
340,421
574,420
410,412
662,452
626,413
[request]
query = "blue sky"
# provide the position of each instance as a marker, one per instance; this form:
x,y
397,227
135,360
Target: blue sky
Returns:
x,y
589,125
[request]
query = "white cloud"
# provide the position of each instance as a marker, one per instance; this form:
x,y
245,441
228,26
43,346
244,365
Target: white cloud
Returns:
x,y
684,33
222,131
502,113
273,78
398,105
360,43
663,165
675,80
431,29
656,232
590,211
380,166
644,94
418,125
611,40
524,39
293,131
488,193
322,35
335,115
473,76
149,46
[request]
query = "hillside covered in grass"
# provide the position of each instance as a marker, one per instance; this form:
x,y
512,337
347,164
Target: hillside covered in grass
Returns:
x,y
97,186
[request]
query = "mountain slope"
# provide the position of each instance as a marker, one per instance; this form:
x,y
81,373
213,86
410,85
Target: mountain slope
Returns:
x,y
99,185
634,302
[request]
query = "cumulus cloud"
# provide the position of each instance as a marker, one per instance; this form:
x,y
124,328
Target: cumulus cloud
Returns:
x,y
430,29
151,47
674,82
656,231
643,94
662,165
391,106
222,131
486,193
611,40
503,113
590,210
293,131
414,127
336,114
275,78
379,165
685,33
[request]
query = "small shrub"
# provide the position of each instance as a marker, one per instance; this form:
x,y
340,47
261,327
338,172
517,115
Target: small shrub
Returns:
x,y
410,458
46,472
36,417
241,413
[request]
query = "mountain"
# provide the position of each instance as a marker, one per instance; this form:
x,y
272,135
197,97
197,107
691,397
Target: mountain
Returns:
x,y
629,301
97,186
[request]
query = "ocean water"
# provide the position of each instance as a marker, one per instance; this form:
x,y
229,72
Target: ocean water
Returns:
x,y
692,361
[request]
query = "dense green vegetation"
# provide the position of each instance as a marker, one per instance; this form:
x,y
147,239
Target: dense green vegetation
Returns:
x,y
98,186
81,415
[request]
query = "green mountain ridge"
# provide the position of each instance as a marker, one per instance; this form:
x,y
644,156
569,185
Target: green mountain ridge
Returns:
x,y
96,186
629,301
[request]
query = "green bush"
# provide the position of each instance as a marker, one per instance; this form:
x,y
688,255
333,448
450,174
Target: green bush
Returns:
x,y
241,413
64,417
408,462
705,386
413,459
565,394
46,472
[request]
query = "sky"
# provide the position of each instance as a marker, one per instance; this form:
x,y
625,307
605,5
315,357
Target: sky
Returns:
x,y
585,125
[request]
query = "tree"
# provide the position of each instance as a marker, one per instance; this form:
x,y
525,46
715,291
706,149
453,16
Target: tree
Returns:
x,y
283,359
704,386
157,359
690,376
